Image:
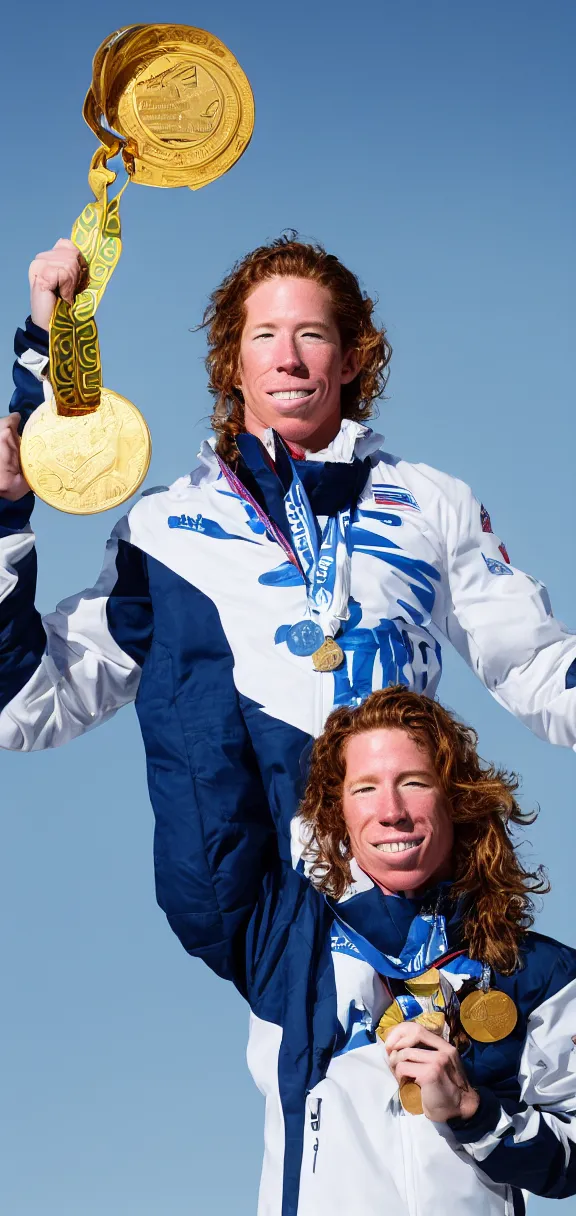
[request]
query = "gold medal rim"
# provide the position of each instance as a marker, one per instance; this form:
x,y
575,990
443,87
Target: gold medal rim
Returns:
x,y
474,1028
29,469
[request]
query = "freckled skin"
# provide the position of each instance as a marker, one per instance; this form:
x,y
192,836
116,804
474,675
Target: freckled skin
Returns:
x,y
291,341
392,793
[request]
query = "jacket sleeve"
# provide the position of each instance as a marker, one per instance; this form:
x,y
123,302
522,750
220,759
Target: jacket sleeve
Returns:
x,y
531,1144
501,622
227,895
63,674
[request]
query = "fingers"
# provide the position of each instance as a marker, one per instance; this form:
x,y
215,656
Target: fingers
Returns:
x,y
59,270
10,422
411,1034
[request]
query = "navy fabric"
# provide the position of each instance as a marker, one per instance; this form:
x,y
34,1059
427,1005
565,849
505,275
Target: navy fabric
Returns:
x,y
258,474
29,391
129,607
15,516
22,636
571,675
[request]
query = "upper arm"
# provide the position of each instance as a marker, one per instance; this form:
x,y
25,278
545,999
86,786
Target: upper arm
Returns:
x,y
501,621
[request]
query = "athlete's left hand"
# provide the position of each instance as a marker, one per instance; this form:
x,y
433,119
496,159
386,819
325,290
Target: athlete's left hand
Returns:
x,y
419,1055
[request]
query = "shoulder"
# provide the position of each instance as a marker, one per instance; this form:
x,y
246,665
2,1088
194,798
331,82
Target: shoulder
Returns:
x,y
430,481
429,486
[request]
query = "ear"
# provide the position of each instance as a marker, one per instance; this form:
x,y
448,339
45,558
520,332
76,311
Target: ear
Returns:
x,y
350,366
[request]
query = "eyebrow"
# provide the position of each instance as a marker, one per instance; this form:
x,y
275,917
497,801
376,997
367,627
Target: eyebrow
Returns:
x,y
301,325
409,772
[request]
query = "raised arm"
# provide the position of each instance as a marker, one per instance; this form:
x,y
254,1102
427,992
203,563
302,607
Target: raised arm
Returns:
x,y
62,675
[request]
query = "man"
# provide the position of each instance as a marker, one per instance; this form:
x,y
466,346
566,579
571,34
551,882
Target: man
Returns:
x,y
297,542
414,915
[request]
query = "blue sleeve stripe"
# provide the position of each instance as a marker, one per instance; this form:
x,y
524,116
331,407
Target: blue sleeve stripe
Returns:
x,y
32,337
22,636
28,390
14,516
129,608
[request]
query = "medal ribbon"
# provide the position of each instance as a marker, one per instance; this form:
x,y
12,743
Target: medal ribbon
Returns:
x,y
75,366
326,566
238,488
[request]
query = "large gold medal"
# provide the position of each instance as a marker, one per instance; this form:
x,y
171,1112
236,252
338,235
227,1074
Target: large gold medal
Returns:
x,y
488,1016
178,98
86,464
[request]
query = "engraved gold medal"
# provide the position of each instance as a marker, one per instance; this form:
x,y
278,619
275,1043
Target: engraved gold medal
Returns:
x,y
488,1016
179,100
89,463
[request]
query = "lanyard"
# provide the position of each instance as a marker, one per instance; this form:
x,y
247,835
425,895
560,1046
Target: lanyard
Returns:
x,y
238,488
325,565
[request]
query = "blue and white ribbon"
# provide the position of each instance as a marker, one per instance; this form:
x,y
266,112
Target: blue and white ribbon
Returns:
x,y
324,561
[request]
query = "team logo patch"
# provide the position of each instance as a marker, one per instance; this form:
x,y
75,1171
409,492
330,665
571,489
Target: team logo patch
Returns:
x,y
485,519
394,496
496,567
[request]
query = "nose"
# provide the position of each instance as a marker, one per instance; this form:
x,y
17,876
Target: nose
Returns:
x,y
391,809
288,357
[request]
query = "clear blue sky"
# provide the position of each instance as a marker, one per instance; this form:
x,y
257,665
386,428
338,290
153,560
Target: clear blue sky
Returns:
x,y
430,144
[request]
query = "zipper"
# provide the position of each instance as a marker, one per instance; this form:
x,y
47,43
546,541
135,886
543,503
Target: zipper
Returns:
x,y
407,1161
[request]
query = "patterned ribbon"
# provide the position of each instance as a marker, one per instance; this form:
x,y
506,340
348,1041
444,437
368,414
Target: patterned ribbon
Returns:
x,y
75,366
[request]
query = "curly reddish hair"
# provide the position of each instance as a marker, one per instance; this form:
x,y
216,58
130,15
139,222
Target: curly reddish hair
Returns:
x,y
498,908
224,318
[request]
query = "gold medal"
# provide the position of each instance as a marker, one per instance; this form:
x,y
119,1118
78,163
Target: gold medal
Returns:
x,y
424,985
90,463
329,656
488,1016
411,1097
177,97
391,1017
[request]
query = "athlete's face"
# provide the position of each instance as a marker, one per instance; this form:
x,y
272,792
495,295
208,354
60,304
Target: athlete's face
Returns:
x,y
396,812
292,366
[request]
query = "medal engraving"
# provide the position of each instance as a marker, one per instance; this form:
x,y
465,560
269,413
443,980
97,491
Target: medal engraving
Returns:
x,y
488,1016
178,98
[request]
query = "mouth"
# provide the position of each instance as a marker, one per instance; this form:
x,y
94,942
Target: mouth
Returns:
x,y
398,846
293,394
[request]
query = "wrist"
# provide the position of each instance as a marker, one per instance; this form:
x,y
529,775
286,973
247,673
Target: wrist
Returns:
x,y
469,1103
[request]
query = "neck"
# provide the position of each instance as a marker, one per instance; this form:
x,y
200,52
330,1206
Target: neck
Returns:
x,y
442,875
298,438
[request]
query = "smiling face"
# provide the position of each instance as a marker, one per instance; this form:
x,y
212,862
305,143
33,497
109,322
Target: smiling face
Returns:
x,y
396,812
292,366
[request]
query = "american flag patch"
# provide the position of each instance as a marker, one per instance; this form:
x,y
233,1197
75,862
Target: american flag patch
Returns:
x,y
394,496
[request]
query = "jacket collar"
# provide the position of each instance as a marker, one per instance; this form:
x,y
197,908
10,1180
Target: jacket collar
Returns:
x,y
353,440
